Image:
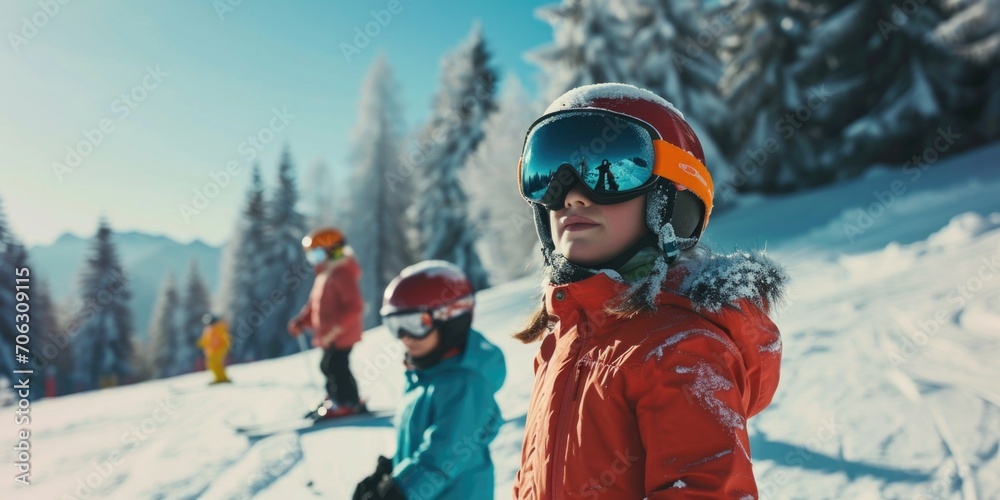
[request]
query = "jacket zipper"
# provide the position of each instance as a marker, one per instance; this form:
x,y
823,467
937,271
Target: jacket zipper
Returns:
x,y
579,378
567,409
579,355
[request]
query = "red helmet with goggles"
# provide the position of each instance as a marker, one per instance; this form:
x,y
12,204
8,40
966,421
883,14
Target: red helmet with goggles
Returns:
x,y
426,294
617,142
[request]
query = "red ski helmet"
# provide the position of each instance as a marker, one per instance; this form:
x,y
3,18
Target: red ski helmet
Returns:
x,y
431,285
679,155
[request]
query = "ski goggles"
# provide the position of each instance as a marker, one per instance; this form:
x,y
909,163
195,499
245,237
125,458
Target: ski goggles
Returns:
x,y
318,255
418,324
315,256
614,157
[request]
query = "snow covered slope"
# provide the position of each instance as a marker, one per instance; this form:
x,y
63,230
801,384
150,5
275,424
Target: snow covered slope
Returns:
x,y
890,382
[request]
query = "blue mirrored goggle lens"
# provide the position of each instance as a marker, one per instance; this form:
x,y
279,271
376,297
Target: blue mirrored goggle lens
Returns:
x,y
316,255
611,154
415,324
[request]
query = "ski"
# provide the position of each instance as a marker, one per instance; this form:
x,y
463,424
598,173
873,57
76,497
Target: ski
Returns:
x,y
181,388
307,425
192,387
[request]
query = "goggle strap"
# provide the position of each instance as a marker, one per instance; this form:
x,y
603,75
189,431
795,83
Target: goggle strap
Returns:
x,y
456,308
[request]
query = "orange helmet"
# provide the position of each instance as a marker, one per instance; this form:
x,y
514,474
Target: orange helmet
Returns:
x,y
323,243
329,238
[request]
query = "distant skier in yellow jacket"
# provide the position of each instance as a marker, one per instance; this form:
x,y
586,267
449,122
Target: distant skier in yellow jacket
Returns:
x,y
215,342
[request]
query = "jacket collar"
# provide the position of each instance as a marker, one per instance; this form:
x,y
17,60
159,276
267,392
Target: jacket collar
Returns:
x,y
704,285
587,297
452,357
592,295
327,266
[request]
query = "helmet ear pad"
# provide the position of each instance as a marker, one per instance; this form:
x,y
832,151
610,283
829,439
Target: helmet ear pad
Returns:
x,y
688,214
455,332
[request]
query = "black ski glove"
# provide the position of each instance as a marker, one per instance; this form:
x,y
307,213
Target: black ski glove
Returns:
x,y
389,490
379,486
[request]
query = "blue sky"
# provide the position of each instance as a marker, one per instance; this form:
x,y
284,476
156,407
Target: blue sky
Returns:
x,y
196,84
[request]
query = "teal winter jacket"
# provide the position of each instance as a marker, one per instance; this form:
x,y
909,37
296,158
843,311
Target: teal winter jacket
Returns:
x,y
447,419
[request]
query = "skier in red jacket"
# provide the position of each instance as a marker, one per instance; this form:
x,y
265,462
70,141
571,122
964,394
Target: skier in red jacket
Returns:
x,y
654,350
334,314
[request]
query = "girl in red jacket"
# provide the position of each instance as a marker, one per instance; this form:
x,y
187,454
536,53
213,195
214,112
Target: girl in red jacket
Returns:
x,y
334,314
654,351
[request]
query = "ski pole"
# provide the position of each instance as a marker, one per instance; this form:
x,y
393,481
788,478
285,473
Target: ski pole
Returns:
x,y
304,348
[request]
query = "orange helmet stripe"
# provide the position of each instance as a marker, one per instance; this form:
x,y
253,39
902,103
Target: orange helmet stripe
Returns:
x,y
681,167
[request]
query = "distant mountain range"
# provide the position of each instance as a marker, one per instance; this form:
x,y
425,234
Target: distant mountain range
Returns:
x,y
146,259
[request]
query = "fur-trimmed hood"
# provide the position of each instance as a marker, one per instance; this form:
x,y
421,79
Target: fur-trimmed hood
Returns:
x,y
718,280
710,281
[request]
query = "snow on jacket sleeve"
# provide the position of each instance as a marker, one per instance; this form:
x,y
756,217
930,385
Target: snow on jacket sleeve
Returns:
x,y
692,420
458,431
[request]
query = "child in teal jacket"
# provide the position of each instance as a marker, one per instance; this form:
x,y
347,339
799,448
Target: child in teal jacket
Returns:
x,y
448,415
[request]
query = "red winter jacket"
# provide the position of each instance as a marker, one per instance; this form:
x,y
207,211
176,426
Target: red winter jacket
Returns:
x,y
335,309
649,407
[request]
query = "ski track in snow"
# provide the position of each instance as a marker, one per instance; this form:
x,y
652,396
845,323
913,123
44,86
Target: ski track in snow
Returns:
x,y
909,388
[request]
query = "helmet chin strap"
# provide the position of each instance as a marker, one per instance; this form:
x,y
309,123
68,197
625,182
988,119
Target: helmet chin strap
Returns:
x,y
660,205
